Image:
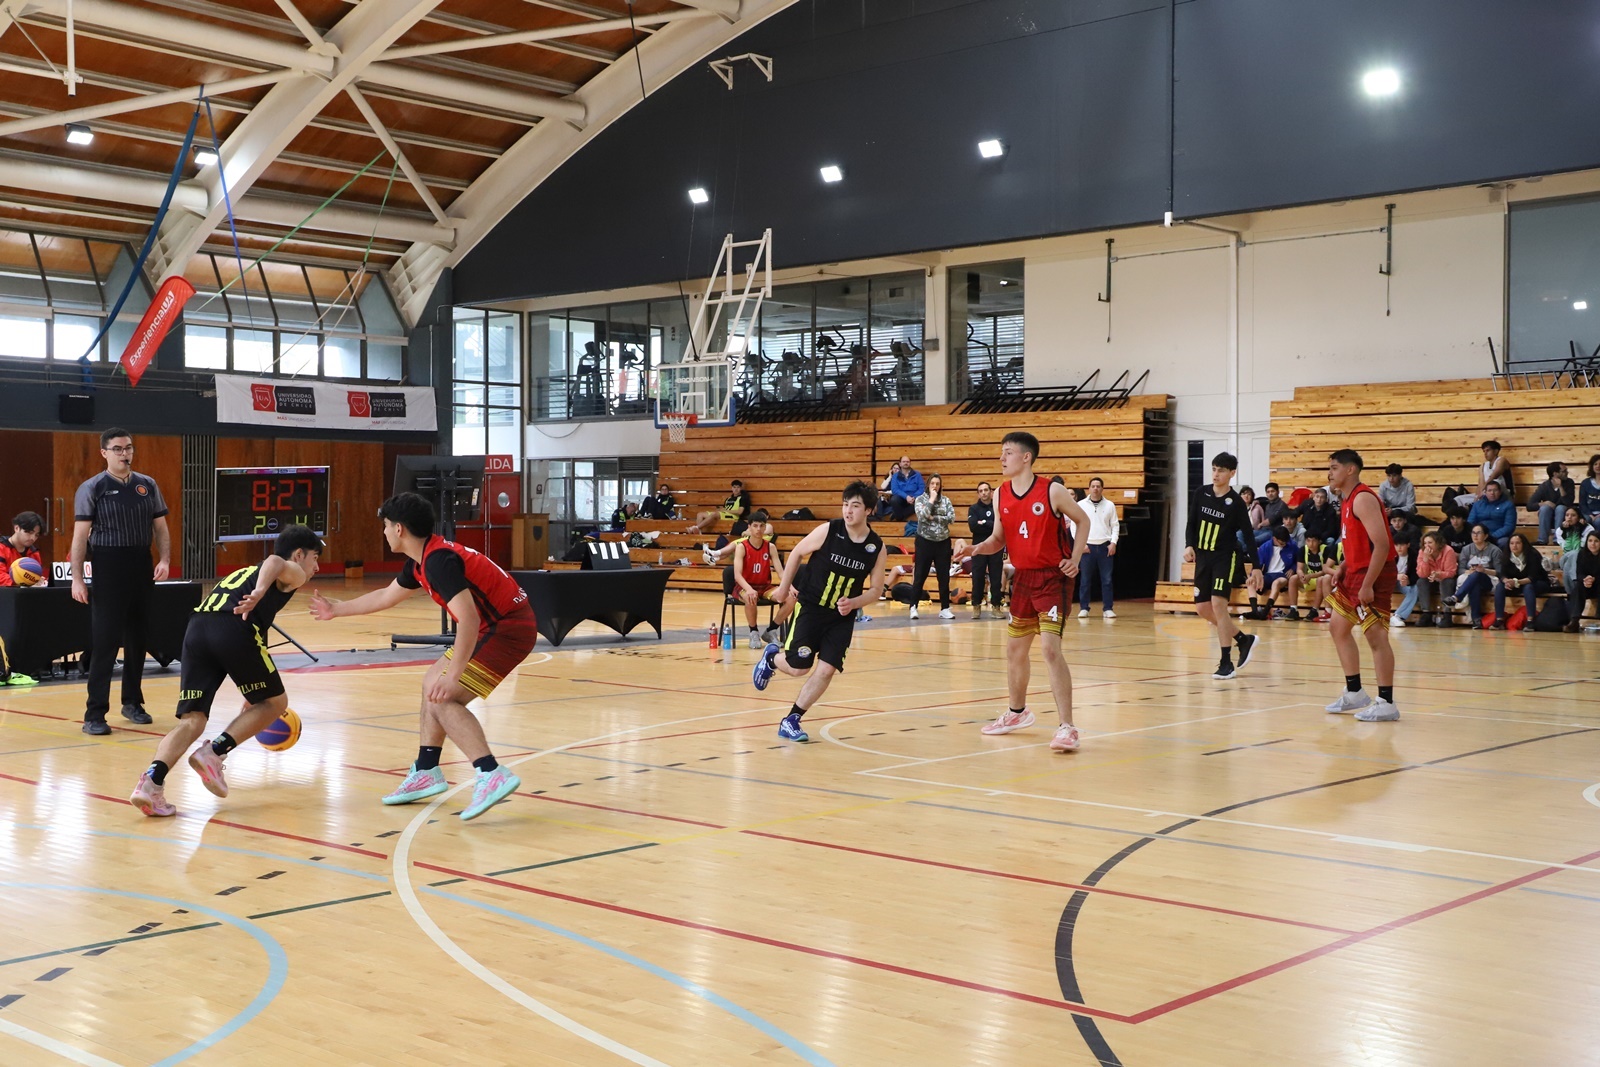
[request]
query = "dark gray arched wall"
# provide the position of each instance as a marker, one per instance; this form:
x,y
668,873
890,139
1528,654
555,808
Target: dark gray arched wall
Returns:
x,y
1268,113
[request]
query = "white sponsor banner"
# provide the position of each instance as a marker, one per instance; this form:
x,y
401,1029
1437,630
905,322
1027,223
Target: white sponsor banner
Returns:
x,y
325,405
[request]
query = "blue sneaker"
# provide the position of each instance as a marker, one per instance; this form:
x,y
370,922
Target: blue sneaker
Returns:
x,y
764,668
490,789
862,616
791,730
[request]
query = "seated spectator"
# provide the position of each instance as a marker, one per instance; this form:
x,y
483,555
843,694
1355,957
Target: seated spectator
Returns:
x,y
735,510
1480,566
1277,567
1456,532
1495,513
1496,468
1589,494
1296,528
1315,561
1402,529
1524,575
620,517
26,530
1274,506
756,563
1396,491
1405,578
1320,516
1569,535
660,506
899,490
1435,579
1586,587
1551,499
1258,516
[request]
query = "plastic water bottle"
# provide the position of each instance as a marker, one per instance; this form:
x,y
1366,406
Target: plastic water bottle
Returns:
x,y
727,637
711,637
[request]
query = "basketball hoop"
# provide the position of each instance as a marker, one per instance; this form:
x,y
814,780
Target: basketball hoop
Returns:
x,y
678,423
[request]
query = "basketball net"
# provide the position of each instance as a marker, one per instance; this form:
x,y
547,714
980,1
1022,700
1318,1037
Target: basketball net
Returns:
x,y
677,427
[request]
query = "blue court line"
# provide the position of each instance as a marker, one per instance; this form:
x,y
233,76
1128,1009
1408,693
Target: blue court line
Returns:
x,y
277,961
744,1015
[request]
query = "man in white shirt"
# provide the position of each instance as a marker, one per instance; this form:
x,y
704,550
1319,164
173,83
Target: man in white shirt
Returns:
x,y
1102,535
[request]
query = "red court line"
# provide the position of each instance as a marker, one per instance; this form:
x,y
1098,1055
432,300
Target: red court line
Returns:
x,y
1353,939
63,718
1051,882
1048,1002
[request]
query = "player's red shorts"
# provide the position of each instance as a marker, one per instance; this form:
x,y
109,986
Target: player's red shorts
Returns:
x,y
1346,598
1040,599
502,646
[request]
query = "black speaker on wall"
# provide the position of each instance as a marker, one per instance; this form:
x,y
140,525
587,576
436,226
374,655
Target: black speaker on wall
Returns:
x,y
76,409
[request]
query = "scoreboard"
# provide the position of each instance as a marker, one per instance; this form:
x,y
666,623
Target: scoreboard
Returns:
x,y
258,503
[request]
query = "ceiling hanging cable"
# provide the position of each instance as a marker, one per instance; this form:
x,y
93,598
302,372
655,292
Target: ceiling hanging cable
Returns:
x,y
227,202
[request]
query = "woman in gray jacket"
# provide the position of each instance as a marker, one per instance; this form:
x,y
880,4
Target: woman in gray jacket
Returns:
x,y
1478,569
935,513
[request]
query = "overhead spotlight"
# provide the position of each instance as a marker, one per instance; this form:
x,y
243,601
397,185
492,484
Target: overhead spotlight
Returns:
x,y
1381,81
79,134
204,157
831,174
991,149
698,195
1580,305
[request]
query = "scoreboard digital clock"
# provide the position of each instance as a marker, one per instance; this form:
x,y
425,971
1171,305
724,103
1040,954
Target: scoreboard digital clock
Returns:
x,y
258,503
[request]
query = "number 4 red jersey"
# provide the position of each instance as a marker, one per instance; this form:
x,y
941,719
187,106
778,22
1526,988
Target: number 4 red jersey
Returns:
x,y
1036,538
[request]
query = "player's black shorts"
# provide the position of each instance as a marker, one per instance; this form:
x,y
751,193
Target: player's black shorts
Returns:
x,y
818,633
1216,574
224,646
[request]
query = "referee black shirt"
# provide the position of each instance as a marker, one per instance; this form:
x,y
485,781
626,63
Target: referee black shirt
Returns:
x,y
123,513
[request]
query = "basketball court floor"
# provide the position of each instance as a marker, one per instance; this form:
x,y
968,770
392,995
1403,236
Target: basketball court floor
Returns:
x,y
1222,875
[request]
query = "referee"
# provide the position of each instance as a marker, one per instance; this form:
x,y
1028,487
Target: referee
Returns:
x,y
117,515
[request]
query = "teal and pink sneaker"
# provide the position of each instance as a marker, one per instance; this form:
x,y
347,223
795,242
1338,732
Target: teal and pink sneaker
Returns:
x,y
490,789
418,785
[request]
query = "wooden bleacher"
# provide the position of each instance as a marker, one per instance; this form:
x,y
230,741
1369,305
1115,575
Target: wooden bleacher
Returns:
x,y
1433,430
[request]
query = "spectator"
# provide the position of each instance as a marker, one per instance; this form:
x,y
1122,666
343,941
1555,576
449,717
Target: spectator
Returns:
x,y
1551,500
1296,528
1396,491
1405,564
1495,468
660,506
1456,532
1525,575
1321,517
1278,562
1401,529
1496,513
1587,585
1314,562
620,517
735,510
1098,557
935,513
1589,494
1258,516
1480,567
899,491
1569,536
26,529
1274,506
986,570
756,562
1435,578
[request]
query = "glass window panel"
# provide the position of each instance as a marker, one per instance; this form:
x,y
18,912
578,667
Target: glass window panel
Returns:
x,y
469,345
384,361
1554,282
627,359
505,396
341,357
252,351
672,323
25,338
74,293
547,356
588,385
74,335
986,328
584,500
298,355
205,347
505,347
467,439
505,437
468,395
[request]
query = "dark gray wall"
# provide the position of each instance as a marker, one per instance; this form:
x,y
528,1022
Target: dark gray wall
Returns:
x,y
1265,111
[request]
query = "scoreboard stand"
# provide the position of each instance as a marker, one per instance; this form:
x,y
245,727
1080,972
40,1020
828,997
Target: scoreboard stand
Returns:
x,y
259,503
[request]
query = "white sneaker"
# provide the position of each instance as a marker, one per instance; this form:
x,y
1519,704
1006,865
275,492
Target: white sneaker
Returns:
x,y
1349,702
1008,721
1379,711
709,556
913,611
947,614
1396,623
1083,613
755,640
1108,614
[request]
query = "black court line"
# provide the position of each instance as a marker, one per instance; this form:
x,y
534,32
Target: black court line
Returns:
x,y
9,999
1241,748
1066,973
52,974
101,946
552,863
319,904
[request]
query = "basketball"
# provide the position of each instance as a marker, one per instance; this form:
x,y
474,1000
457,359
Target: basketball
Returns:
x,y
283,732
27,571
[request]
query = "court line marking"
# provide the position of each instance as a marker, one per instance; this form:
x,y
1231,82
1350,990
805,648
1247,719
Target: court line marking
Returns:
x,y
50,1044
277,960
1589,794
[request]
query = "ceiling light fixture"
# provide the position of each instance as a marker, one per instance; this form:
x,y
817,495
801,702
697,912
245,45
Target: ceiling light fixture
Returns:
x,y
831,174
698,195
1580,305
991,149
78,134
1381,81
204,157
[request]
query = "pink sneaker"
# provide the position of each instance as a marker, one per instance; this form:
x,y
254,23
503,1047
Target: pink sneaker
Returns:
x,y
208,765
1008,721
151,798
1065,740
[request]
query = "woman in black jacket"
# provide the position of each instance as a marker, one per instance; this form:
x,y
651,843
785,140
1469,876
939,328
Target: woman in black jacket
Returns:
x,y
1524,575
1587,587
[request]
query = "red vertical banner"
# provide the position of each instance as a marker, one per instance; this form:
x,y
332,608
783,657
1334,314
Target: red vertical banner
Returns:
x,y
164,311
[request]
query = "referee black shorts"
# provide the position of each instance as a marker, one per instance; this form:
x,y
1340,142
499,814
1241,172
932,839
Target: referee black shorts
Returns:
x,y
818,633
1216,574
219,646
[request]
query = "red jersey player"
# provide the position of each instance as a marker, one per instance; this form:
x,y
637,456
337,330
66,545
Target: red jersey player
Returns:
x,y
495,631
1363,591
1028,524
756,564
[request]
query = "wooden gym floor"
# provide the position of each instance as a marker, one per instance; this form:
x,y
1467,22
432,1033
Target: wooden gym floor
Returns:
x,y
1223,874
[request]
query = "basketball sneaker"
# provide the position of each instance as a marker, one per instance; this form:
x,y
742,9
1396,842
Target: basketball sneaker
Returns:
x,y
1108,614
1349,702
418,785
1225,671
755,640
1008,721
708,556
151,798
1083,613
947,614
1379,711
18,678
208,765
1065,740
490,789
764,669
768,636
791,730
1246,644
913,611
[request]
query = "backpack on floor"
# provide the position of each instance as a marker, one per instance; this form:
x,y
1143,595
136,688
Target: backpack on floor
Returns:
x,y
1552,616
